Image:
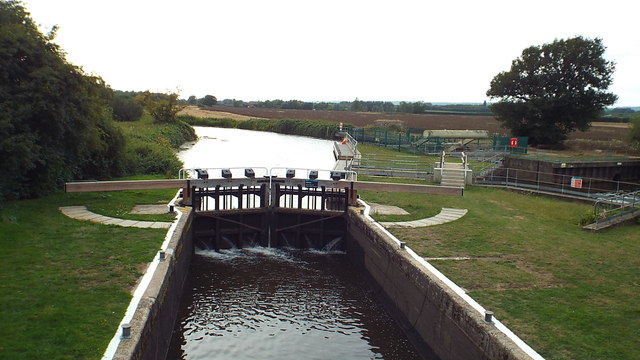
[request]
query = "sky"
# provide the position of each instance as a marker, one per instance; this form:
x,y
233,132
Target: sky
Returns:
x,y
401,50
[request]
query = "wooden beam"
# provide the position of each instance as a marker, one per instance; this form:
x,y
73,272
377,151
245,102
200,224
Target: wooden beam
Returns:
x,y
87,186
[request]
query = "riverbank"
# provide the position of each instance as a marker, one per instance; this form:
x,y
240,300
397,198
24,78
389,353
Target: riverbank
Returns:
x,y
312,128
150,148
567,293
64,283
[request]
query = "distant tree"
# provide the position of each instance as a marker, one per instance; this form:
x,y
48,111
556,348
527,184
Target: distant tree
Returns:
x,y
126,107
553,89
209,100
357,105
55,122
162,107
192,100
419,107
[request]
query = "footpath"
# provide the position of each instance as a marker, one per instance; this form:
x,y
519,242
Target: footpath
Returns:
x,y
82,213
446,215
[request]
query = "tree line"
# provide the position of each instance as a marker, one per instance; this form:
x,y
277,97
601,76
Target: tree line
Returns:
x,y
418,107
56,123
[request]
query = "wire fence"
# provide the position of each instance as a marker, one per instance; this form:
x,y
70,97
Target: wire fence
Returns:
x,y
558,183
433,145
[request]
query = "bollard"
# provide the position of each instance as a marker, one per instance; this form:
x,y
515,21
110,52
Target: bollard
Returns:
x,y
126,331
171,208
488,316
162,255
403,245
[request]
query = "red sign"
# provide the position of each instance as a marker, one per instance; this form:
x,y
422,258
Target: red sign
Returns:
x,y
513,142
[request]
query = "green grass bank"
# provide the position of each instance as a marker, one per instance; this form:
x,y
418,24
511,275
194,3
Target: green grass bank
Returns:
x,y
65,284
150,148
570,294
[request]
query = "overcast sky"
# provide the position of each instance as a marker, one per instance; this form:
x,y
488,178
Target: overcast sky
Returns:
x,y
401,50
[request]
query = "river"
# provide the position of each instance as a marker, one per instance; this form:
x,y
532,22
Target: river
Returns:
x,y
238,149
264,303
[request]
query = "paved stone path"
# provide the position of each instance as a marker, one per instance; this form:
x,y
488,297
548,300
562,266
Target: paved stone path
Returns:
x,y
445,216
81,213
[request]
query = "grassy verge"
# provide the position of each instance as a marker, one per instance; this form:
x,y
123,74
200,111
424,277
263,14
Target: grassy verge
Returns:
x,y
151,147
64,283
570,294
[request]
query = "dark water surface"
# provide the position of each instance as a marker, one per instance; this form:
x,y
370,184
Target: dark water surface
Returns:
x,y
282,304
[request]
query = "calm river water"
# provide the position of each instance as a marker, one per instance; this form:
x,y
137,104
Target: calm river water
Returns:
x,y
236,148
280,304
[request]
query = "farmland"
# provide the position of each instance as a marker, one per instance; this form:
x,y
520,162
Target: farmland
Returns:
x,y
596,137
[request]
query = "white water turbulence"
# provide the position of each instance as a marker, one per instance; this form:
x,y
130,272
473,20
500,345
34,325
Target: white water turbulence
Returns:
x,y
236,148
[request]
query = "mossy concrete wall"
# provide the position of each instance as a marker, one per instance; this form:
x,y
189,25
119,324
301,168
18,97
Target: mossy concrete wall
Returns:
x,y
431,311
440,322
154,319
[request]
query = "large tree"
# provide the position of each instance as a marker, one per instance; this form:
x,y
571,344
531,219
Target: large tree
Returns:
x,y
54,120
553,89
209,100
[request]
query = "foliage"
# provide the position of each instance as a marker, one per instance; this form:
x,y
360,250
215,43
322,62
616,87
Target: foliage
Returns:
x,y
634,132
209,100
587,218
313,128
418,107
150,147
198,121
553,89
162,107
55,124
126,107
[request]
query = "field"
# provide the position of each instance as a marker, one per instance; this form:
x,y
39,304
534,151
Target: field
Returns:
x,y
197,112
601,136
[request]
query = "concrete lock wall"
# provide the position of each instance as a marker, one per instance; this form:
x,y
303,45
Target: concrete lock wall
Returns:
x,y
154,318
437,319
427,307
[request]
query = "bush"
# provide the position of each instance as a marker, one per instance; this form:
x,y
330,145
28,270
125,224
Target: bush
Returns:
x,y
150,147
126,108
144,157
588,218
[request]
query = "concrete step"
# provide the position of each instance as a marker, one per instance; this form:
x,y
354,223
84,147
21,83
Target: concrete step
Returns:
x,y
453,175
453,166
452,184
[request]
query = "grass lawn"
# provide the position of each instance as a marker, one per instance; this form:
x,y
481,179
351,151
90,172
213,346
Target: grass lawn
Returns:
x,y
568,293
64,283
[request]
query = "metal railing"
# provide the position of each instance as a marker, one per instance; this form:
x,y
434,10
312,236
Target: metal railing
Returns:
x,y
553,182
261,187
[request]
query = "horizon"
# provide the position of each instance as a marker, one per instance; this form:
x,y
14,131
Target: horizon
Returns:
x,y
411,50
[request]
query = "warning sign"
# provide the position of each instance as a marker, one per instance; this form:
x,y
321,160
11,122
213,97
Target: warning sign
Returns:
x,y
576,182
